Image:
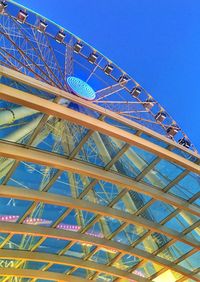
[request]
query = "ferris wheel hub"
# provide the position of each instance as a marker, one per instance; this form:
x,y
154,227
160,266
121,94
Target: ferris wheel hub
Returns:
x,y
81,88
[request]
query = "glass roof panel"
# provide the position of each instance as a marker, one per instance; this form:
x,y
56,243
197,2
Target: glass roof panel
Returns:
x,y
187,187
81,272
59,136
153,242
192,262
175,251
97,230
79,250
70,184
129,234
34,265
184,154
31,176
194,234
5,166
59,268
138,201
168,275
105,277
162,174
157,211
197,202
127,203
110,225
133,162
52,245
126,262
149,269
3,237
17,122
75,220
7,262
12,207
102,193
102,257
181,221
21,242
44,214
99,149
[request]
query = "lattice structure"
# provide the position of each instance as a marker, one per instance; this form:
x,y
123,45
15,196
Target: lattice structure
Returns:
x,y
90,189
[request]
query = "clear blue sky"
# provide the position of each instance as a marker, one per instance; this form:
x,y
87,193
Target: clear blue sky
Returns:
x,y
155,41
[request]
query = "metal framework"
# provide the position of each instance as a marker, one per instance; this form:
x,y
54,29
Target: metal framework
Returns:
x,y
88,190
30,273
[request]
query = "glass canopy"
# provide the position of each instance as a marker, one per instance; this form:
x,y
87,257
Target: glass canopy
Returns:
x,y
86,193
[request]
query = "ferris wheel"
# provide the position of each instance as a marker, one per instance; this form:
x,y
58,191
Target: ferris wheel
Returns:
x,y
41,49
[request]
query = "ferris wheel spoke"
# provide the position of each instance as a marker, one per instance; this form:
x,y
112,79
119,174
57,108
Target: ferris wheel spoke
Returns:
x,y
29,42
9,44
108,91
19,57
6,62
6,50
123,106
139,118
19,61
69,59
57,67
145,121
48,59
25,65
21,44
60,71
94,70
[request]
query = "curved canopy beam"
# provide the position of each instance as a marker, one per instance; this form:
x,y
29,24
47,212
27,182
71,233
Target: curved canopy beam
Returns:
x,y
39,274
68,261
18,152
45,106
54,199
22,78
99,242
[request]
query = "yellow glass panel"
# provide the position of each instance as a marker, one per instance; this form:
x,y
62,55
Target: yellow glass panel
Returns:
x,y
165,277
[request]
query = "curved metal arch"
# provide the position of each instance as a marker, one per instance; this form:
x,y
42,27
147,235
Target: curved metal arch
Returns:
x,y
45,106
64,260
18,152
39,274
53,199
17,76
99,242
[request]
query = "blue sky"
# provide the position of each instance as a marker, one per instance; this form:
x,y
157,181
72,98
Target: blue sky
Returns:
x,y
155,41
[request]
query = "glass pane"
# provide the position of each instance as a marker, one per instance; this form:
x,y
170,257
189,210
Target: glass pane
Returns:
x,y
157,211
31,176
192,262
187,187
52,245
102,193
126,262
70,184
17,123
162,174
175,251
22,242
